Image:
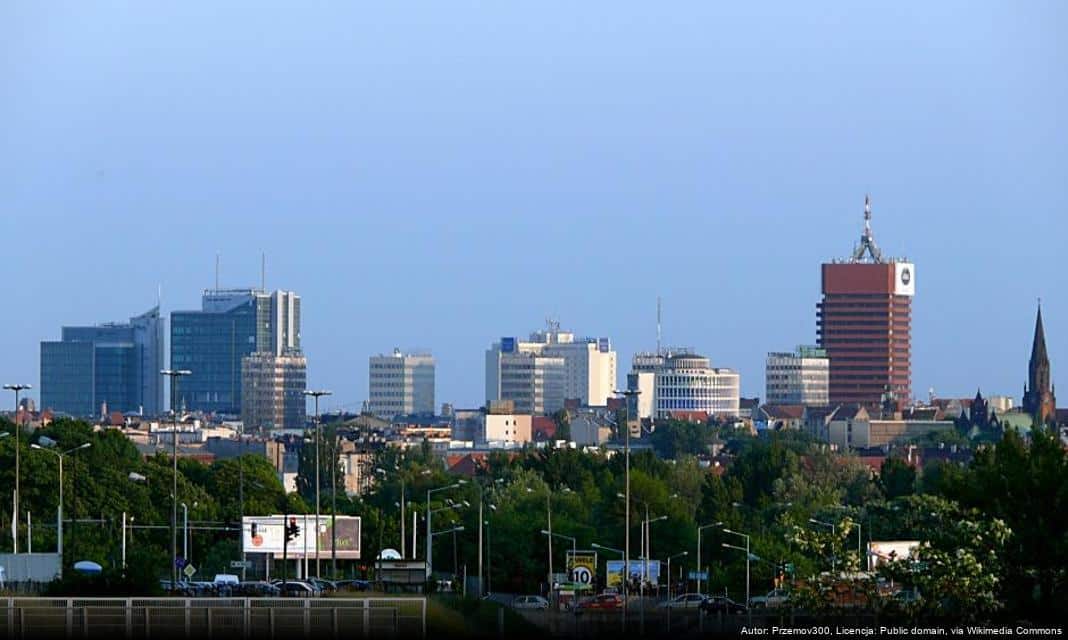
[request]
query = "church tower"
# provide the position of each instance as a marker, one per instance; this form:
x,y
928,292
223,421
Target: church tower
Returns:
x,y
1038,399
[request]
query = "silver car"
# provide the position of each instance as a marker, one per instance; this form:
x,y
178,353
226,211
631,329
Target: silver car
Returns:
x,y
530,602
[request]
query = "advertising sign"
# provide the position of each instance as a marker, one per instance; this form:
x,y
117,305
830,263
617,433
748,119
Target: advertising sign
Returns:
x,y
582,566
507,345
615,571
904,279
265,534
604,345
890,551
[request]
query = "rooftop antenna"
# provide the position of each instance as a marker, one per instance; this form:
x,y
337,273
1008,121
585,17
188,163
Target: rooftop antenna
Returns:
x,y
658,325
216,270
867,240
263,271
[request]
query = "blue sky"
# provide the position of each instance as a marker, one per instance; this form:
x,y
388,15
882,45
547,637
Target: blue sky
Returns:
x,y
440,174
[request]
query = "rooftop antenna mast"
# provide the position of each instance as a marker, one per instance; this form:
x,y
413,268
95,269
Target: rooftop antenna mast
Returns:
x,y
216,270
263,271
867,240
658,325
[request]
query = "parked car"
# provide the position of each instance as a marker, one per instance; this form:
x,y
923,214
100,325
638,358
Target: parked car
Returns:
x,y
324,586
257,589
530,602
353,585
722,604
298,589
684,601
774,598
603,601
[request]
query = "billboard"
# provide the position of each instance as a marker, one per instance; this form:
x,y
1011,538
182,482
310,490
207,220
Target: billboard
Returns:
x,y
614,571
265,534
507,345
582,567
604,345
904,279
890,551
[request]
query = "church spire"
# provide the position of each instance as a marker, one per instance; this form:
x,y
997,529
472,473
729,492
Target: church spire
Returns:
x,y
1038,348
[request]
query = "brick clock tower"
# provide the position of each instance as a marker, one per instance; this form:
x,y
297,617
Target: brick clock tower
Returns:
x,y
1039,398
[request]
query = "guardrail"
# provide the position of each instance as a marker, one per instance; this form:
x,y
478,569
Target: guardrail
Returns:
x,y
260,618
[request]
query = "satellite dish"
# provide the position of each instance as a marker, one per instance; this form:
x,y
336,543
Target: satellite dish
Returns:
x,y
389,554
88,567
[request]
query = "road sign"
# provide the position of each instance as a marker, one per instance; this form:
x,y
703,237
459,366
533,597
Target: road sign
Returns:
x,y
240,564
582,566
698,575
179,562
189,570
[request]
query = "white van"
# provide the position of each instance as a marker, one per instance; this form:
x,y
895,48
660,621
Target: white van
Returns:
x,y
227,579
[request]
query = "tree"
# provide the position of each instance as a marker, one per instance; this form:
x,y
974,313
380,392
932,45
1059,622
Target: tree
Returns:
x,y
897,478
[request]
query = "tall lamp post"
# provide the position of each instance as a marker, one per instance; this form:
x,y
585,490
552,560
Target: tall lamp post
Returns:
x,y
677,555
748,556
17,388
699,530
317,393
59,512
429,538
622,577
834,560
175,375
627,394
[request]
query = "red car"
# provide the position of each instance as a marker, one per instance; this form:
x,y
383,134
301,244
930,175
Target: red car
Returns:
x,y
603,601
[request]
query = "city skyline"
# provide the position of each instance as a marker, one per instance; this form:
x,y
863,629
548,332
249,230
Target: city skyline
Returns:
x,y
544,184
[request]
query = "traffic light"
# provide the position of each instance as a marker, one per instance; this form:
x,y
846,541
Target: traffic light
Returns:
x,y
292,530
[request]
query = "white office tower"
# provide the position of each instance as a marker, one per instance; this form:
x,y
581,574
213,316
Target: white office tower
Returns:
x,y
401,384
539,374
680,381
802,377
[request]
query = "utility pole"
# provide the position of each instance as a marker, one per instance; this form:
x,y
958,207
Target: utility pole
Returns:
x,y
17,388
317,394
175,375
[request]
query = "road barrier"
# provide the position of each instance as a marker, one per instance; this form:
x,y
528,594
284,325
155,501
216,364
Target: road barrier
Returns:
x,y
230,618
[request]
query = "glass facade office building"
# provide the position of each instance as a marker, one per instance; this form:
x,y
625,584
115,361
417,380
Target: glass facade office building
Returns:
x,y
110,366
212,343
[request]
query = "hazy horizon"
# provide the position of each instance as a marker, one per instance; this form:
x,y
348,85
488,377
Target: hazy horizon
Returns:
x,y
438,176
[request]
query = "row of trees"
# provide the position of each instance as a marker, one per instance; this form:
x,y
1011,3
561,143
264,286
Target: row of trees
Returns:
x,y
997,531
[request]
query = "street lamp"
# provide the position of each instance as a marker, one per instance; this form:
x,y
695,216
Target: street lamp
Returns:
x,y
59,512
627,394
429,529
622,578
677,555
834,560
175,375
17,388
699,530
574,546
317,394
748,556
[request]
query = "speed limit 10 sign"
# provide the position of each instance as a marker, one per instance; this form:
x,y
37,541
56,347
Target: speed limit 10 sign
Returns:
x,y
582,566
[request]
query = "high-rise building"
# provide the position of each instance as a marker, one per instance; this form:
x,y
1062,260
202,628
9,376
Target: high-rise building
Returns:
x,y
272,390
401,384
550,367
531,381
680,381
865,324
589,364
112,366
801,377
1039,398
211,342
